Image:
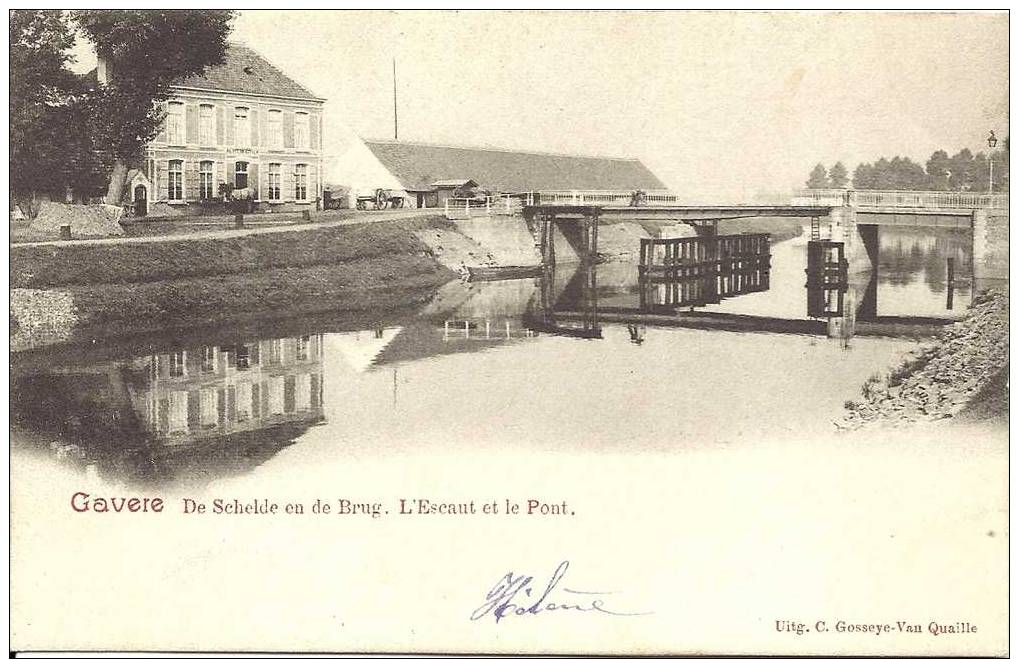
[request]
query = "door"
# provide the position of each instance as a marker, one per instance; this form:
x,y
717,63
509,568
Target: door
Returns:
x,y
141,201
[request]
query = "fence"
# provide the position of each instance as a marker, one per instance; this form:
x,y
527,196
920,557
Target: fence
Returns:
x,y
900,199
467,208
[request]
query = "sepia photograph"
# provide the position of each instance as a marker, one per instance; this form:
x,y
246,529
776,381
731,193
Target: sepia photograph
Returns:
x,y
557,332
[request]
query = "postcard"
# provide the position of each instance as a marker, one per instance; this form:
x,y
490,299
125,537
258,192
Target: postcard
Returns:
x,y
501,332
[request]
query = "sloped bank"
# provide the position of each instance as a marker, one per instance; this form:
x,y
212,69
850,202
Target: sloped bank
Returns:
x,y
81,292
962,375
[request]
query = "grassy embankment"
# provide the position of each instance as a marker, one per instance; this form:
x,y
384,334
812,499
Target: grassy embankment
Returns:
x,y
142,286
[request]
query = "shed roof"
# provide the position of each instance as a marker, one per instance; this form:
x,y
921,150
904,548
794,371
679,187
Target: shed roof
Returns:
x,y
455,183
246,72
417,165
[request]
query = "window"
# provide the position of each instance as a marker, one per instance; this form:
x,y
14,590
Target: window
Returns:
x,y
274,181
243,358
275,355
175,122
177,364
241,175
205,180
175,181
301,182
275,129
301,130
208,408
244,401
206,124
242,128
302,348
209,359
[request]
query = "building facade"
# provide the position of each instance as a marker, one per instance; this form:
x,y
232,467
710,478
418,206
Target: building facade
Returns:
x,y
243,125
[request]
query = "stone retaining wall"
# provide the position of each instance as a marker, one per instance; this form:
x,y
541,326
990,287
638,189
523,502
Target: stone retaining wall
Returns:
x,y
41,317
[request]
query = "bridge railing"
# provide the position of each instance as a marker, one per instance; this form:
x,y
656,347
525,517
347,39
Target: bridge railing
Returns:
x,y
600,198
900,199
465,208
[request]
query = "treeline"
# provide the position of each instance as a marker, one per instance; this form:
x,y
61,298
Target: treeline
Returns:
x,y
963,171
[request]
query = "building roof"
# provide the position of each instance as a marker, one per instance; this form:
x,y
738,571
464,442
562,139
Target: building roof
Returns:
x,y
247,72
455,183
418,165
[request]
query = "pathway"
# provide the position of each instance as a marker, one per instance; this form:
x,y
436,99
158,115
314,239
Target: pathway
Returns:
x,y
365,217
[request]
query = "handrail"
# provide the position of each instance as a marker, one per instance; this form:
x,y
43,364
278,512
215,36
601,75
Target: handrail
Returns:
x,y
600,198
933,199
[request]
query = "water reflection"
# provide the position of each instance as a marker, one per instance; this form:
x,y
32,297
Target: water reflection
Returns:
x,y
190,415
150,417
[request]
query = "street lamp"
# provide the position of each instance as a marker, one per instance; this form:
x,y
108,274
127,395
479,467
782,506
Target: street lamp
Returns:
x,y
992,142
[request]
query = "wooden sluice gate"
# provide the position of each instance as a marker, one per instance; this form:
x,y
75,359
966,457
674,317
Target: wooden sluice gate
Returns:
x,y
827,279
678,272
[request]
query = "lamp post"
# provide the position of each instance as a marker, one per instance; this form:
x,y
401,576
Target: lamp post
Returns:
x,y
992,142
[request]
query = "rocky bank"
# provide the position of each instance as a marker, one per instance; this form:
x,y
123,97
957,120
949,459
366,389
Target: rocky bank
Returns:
x,y
962,375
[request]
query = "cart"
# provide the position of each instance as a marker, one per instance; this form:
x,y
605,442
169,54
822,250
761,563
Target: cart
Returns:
x,y
380,199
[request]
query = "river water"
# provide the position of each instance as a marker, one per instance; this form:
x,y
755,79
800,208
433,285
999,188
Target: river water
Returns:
x,y
469,371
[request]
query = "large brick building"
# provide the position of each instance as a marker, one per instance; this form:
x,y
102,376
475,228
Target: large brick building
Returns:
x,y
243,123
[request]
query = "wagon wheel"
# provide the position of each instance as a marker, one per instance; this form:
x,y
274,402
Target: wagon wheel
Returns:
x,y
361,205
381,198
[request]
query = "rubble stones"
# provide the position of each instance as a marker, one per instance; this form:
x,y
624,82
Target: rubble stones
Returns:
x,y
938,381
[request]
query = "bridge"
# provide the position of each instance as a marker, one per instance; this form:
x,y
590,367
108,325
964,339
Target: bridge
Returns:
x,y
851,217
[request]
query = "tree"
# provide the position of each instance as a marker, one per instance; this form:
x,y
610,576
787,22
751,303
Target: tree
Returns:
x,y
40,87
937,169
145,51
838,175
863,177
818,178
960,167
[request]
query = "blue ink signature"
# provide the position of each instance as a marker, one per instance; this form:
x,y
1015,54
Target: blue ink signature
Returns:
x,y
510,595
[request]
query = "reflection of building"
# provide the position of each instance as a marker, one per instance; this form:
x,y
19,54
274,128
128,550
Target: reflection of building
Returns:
x,y
219,390
187,416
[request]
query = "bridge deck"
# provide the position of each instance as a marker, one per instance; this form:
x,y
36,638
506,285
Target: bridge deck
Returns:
x,y
695,213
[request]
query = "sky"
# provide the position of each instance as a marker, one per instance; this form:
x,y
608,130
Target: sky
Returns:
x,y
718,104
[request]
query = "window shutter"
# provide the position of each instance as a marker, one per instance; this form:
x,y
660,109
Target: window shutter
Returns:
x,y
219,125
160,182
253,119
191,180
253,182
313,131
161,135
288,130
228,123
191,123
263,127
